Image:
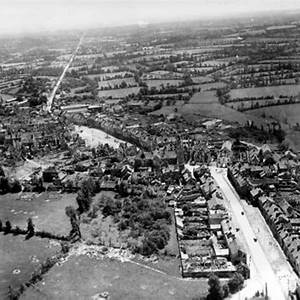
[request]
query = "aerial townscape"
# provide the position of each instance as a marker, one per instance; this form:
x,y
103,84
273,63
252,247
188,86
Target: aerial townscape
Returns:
x,y
152,161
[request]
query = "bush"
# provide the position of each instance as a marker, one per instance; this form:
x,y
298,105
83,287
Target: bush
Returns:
x,y
236,283
215,291
147,248
8,227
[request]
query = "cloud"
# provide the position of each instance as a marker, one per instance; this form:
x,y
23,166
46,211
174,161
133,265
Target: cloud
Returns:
x,y
36,15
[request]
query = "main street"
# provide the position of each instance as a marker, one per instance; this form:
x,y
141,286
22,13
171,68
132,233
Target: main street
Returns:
x,y
261,269
53,93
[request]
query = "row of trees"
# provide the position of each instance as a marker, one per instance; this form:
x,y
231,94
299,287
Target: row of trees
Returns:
x,y
29,231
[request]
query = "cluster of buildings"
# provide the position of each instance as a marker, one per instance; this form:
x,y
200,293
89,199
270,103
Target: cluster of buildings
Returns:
x,y
30,133
269,179
206,236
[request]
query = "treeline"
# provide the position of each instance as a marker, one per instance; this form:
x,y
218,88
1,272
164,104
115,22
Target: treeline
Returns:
x,y
122,85
116,76
7,228
270,97
259,105
36,276
169,89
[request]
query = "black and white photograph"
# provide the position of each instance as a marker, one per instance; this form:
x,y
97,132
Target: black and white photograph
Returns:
x,y
149,150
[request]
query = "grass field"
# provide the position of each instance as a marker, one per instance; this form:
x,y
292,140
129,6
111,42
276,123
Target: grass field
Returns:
x,y
212,85
204,97
202,79
112,82
283,113
212,110
276,91
196,69
119,93
47,211
104,76
23,255
249,104
216,63
158,83
126,281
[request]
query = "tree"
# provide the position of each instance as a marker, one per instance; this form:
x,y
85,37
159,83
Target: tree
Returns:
x,y
37,184
75,222
30,228
215,291
84,196
7,227
226,290
2,172
70,212
236,283
15,186
3,185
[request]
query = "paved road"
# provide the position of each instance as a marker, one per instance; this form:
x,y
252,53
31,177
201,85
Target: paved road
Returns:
x,y
53,93
263,271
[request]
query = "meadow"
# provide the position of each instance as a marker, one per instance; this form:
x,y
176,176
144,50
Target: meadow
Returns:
x,y
276,91
119,93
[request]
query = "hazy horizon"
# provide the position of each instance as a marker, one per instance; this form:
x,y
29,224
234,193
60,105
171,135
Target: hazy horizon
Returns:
x,y
25,16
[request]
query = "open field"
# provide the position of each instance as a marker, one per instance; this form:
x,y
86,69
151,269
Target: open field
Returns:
x,y
5,97
113,82
158,83
276,91
119,93
204,98
293,137
127,281
212,85
212,110
202,79
250,104
47,210
106,76
196,69
288,113
20,257
73,92
216,63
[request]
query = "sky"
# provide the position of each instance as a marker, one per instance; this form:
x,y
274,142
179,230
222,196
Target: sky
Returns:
x,y
18,16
